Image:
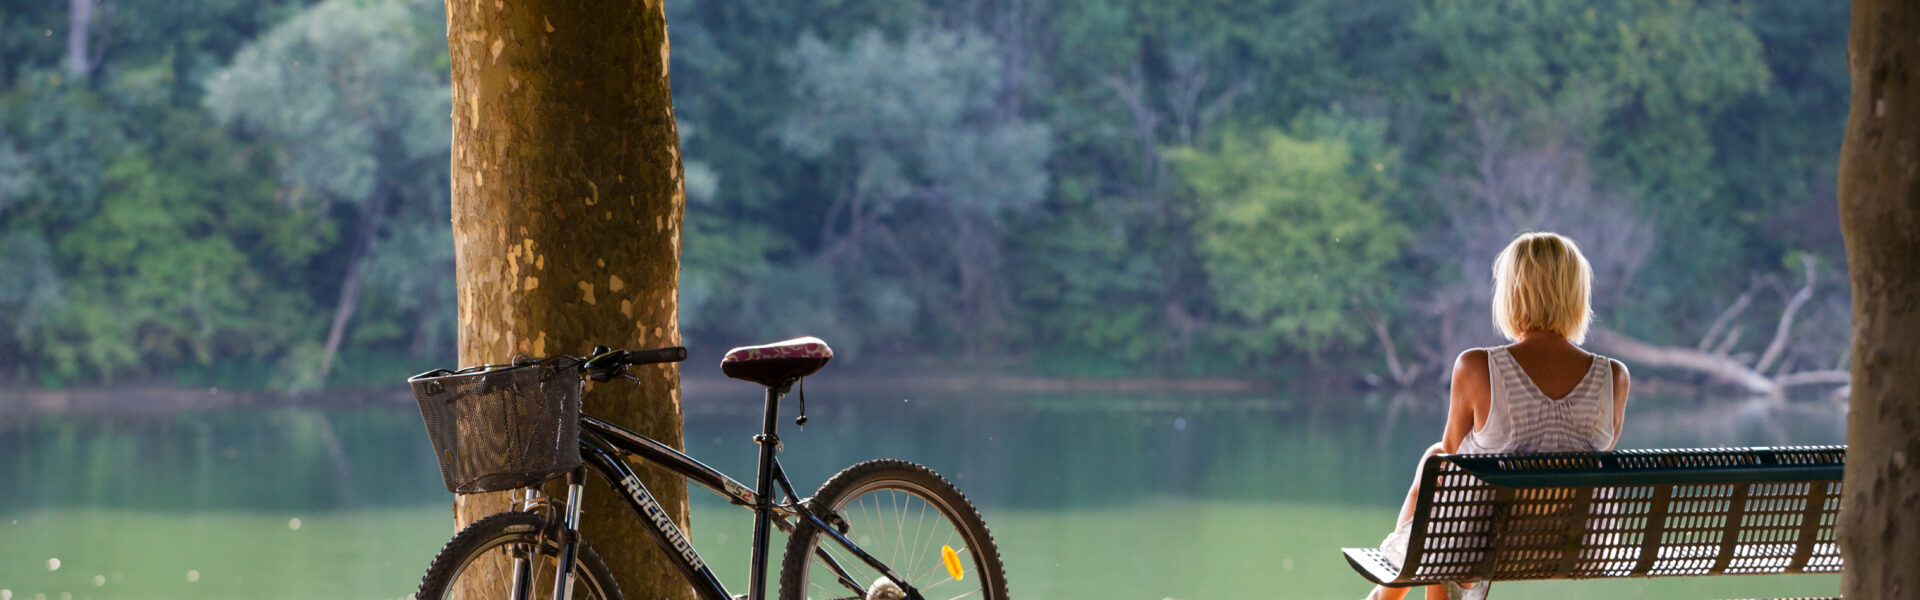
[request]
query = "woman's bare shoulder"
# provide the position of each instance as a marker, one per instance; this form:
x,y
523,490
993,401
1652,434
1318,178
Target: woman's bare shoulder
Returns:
x,y
1472,356
1620,375
1471,365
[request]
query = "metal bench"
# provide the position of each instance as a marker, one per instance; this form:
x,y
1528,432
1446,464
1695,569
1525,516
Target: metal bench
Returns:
x,y
1630,513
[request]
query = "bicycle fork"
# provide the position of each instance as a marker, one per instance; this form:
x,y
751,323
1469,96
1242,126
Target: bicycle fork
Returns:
x,y
567,538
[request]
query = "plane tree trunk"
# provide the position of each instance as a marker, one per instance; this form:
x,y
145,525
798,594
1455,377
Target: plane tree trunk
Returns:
x,y
1880,216
567,207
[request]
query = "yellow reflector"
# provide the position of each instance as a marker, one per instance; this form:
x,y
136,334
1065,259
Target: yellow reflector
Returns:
x,y
947,555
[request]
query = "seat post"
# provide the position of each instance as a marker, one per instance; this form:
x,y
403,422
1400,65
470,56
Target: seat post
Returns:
x,y
763,487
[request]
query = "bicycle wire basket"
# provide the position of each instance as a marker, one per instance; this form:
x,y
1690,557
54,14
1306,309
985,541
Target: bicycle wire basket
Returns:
x,y
497,427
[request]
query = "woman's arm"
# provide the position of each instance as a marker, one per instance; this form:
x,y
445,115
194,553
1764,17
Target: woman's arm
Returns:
x,y
1621,381
1469,400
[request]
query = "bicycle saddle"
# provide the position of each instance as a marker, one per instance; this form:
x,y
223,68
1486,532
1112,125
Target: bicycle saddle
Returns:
x,y
778,364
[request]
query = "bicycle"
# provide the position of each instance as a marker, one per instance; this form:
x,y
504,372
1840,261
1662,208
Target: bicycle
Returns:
x,y
508,427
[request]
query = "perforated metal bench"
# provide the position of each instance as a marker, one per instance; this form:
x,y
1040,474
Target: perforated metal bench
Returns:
x,y
1630,513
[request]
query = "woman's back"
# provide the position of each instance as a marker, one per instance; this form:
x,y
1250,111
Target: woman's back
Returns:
x,y
1546,397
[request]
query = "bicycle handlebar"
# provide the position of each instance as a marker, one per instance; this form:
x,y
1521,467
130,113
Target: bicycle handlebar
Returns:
x,y
606,364
657,355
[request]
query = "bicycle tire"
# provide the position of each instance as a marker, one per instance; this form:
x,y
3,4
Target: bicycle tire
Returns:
x,y
862,487
593,579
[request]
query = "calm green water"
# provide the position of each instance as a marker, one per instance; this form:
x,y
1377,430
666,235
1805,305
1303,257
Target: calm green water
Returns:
x,y
1091,496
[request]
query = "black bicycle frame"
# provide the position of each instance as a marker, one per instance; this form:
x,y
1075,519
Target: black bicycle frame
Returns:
x,y
603,445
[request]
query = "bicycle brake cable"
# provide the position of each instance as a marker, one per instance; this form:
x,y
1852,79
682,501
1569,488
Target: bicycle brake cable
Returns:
x,y
802,419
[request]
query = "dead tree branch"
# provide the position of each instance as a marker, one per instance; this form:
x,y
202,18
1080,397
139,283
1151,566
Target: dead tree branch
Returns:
x,y
1402,375
1828,376
1716,365
1733,337
1753,377
1783,330
1726,317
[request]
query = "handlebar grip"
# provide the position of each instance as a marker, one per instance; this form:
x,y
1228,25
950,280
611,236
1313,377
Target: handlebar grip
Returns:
x,y
658,355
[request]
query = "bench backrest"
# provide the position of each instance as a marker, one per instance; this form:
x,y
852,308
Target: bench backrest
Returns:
x,y
1630,513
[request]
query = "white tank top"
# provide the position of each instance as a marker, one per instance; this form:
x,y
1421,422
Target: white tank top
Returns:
x,y
1522,419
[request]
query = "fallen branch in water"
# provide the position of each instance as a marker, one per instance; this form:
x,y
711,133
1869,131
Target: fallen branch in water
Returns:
x,y
1715,360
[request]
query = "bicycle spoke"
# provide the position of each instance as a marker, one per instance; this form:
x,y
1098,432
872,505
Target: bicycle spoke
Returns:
x,y
827,573
918,528
899,535
935,569
863,510
918,579
938,584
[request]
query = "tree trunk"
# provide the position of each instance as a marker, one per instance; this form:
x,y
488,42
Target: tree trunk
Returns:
x,y
370,216
80,19
1880,215
567,206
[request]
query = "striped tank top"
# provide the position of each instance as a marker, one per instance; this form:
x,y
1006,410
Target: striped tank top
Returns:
x,y
1520,418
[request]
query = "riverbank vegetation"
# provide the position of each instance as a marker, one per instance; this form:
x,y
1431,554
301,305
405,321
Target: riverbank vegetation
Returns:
x,y
254,194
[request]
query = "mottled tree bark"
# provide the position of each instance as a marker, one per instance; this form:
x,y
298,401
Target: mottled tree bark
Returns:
x,y
567,205
1880,215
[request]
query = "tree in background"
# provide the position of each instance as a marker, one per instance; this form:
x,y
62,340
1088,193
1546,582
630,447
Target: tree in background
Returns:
x,y
567,211
32,292
1629,86
345,95
181,262
750,246
1708,122
30,289
1515,173
1292,236
1111,261
930,169
1880,211
131,220
1108,259
54,148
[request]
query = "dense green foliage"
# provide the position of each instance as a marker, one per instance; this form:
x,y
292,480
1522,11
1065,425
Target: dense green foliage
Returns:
x,y
1293,243
1221,186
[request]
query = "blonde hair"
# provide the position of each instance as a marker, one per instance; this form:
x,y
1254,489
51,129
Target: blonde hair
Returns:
x,y
1541,282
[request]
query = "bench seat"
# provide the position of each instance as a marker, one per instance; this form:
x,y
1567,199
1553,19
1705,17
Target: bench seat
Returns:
x,y
1630,513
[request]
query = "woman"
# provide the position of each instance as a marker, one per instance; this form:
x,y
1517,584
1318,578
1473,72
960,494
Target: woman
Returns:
x,y
1542,393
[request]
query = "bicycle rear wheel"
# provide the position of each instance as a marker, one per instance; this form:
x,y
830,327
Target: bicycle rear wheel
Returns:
x,y
481,557
908,517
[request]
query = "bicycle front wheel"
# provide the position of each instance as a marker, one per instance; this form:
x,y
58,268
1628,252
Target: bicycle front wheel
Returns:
x,y
912,520
478,562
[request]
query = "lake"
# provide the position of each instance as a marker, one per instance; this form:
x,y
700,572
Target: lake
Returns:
x,y
1109,496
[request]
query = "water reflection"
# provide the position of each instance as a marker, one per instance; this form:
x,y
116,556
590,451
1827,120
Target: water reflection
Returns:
x,y
1222,489
281,458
